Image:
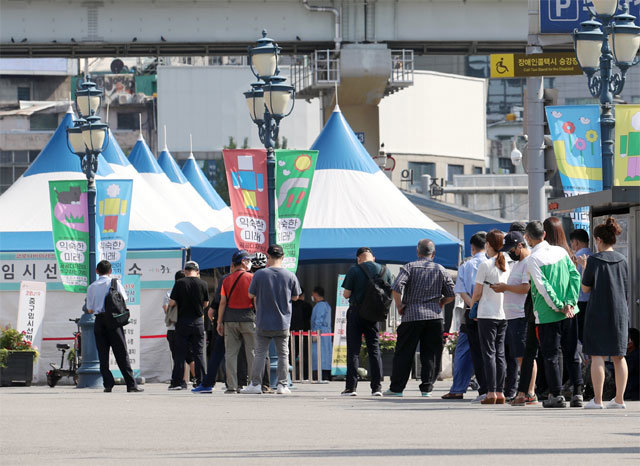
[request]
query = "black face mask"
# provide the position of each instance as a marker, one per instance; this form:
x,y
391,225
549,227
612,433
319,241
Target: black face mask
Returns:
x,y
514,257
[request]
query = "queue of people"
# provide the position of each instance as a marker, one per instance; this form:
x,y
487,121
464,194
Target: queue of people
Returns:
x,y
521,336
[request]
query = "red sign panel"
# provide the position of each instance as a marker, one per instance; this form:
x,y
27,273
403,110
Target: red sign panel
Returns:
x,y
247,180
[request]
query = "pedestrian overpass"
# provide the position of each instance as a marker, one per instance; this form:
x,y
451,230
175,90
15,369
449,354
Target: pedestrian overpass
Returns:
x,y
92,28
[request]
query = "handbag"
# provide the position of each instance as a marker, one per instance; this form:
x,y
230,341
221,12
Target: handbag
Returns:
x,y
171,316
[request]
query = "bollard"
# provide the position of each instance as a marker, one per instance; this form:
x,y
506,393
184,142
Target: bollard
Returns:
x,y
319,357
309,352
293,356
300,356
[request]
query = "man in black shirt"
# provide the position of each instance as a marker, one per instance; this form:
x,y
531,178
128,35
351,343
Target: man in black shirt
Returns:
x,y
355,286
191,295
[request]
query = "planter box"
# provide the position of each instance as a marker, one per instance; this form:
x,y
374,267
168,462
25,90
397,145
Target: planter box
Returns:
x,y
19,370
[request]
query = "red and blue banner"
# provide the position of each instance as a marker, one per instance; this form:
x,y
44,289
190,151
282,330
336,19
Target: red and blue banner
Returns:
x,y
247,179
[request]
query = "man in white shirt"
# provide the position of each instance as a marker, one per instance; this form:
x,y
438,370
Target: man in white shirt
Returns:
x,y
107,337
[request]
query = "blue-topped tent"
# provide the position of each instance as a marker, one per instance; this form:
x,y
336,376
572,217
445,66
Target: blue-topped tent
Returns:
x,y
194,218
352,204
201,184
26,211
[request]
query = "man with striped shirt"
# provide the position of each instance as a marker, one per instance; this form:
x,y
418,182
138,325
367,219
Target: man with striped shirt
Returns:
x,y
420,292
555,285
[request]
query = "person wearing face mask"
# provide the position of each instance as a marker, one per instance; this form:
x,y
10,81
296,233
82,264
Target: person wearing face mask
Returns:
x,y
515,294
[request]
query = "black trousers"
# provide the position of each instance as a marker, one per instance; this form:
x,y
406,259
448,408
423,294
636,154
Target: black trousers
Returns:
x,y
109,338
492,333
429,334
476,354
171,338
562,337
582,306
530,354
356,327
188,336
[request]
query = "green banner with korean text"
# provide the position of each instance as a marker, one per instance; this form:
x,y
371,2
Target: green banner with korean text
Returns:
x,y
294,174
70,223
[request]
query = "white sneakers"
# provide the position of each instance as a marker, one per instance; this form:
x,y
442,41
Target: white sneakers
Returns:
x,y
251,390
611,405
283,390
593,405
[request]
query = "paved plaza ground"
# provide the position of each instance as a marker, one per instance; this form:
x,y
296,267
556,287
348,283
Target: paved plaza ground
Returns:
x,y
314,425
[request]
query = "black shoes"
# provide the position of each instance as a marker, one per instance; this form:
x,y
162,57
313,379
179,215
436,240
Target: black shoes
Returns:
x,y
108,390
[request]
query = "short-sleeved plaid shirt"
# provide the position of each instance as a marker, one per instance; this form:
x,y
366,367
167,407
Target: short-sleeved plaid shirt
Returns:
x,y
422,284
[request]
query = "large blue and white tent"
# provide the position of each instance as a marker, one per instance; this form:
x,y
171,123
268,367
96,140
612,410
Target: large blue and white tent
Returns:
x,y
201,184
352,204
220,215
26,212
193,220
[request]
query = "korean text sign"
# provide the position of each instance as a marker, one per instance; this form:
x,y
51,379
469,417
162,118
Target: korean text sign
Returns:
x,y
31,307
247,179
70,225
112,218
339,357
294,174
131,331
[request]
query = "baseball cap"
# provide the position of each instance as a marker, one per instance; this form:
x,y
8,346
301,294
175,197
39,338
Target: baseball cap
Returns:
x,y
275,251
191,265
511,240
240,256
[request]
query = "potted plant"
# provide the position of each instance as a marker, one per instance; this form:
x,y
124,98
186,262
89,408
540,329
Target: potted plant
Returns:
x,y
387,348
17,357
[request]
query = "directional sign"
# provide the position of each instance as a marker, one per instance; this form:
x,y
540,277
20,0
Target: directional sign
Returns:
x,y
563,16
520,65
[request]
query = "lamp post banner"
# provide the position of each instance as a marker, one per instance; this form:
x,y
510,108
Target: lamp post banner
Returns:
x,y
626,164
294,174
70,226
575,131
112,219
247,179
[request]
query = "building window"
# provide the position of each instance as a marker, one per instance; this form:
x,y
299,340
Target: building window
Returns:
x,y
14,164
43,121
506,166
477,170
419,169
24,93
127,121
454,170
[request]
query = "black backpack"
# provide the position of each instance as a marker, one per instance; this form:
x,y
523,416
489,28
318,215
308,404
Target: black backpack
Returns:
x,y
377,297
115,307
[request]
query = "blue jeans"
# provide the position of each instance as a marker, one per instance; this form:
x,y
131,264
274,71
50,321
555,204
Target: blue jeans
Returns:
x,y
215,359
462,365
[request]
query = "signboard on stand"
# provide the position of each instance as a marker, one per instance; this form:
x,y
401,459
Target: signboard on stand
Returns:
x,y
132,330
339,354
31,308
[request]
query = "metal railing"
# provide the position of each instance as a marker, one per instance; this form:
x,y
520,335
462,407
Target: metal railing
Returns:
x,y
402,67
320,70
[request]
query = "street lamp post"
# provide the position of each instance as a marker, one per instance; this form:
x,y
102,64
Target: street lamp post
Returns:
x,y
87,139
269,101
606,39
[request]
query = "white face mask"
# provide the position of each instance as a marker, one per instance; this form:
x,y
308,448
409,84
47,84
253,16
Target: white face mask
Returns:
x,y
249,266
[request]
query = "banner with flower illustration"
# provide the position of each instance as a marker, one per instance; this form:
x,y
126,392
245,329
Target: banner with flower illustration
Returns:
x,y
294,174
626,164
575,131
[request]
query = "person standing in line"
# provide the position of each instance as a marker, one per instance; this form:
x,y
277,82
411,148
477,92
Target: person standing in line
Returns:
x,y
355,286
515,294
321,322
273,289
579,242
492,323
107,337
468,355
420,291
216,352
171,329
554,290
191,295
606,324
236,317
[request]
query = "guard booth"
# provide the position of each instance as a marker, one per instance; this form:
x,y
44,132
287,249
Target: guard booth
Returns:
x,y
622,203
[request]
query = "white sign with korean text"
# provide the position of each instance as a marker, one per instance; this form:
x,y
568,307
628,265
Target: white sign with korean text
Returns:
x,y
339,356
31,308
132,330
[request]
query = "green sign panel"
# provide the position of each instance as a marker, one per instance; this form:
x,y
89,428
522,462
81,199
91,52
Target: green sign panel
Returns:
x,y
70,222
294,174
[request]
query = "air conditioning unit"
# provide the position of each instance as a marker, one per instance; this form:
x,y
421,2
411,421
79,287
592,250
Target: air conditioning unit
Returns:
x,y
124,99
